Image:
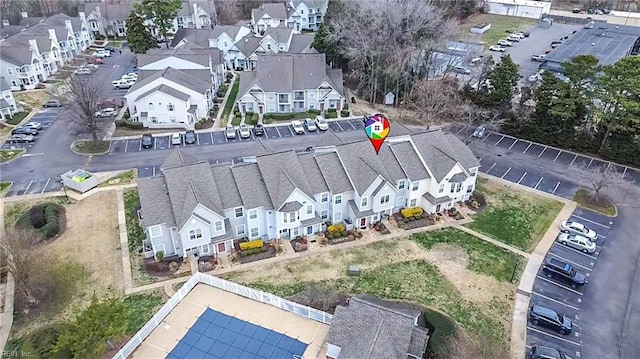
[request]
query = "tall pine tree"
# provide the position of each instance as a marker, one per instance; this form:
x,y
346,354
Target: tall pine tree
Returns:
x,y
139,38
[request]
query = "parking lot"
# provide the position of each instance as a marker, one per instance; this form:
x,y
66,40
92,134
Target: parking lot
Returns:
x,y
559,296
218,137
46,117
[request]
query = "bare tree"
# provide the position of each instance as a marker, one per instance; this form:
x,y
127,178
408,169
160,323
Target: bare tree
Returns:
x,y
82,99
227,11
24,255
437,101
599,178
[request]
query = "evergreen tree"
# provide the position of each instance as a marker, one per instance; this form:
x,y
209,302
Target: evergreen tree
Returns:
x,y
162,13
139,38
503,81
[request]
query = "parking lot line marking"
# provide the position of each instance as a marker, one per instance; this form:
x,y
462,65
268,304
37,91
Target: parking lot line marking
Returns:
x,y
537,184
577,251
493,165
351,124
558,155
514,142
485,137
291,130
197,139
555,301
154,171
45,185
126,144
551,335
608,165
460,130
140,147
479,160
625,171
555,188
155,141
508,169
558,285
574,158
544,149
590,221
570,262
278,131
521,178
27,189
338,123
211,135
589,165
501,138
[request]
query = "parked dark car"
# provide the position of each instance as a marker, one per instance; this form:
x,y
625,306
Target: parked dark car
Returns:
x,y
147,140
52,103
549,318
23,130
554,268
258,130
190,137
538,352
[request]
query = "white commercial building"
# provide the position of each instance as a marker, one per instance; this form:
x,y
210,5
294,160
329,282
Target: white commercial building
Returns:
x,y
520,8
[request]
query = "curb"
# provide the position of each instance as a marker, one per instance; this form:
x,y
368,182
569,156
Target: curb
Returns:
x,y
89,154
15,158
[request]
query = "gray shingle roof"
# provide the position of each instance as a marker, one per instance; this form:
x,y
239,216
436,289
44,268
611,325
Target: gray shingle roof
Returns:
x,y
201,58
165,89
191,79
300,43
458,177
311,3
226,186
362,164
201,36
333,173
310,221
282,173
178,158
372,328
434,200
248,44
409,160
284,73
154,202
313,173
275,11
251,186
290,207
441,152
358,214
280,34
10,30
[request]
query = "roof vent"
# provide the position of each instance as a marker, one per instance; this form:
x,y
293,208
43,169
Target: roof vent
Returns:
x,y
246,40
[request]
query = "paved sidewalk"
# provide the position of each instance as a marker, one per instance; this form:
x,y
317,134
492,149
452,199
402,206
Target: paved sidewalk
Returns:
x,y
492,241
124,242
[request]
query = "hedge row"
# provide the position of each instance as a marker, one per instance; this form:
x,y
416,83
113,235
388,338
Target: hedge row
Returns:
x,y
43,217
129,124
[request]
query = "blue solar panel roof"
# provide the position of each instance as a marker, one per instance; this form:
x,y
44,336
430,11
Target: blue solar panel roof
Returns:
x,y
217,335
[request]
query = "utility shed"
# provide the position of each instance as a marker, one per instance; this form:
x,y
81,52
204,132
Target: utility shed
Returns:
x,y
368,327
79,180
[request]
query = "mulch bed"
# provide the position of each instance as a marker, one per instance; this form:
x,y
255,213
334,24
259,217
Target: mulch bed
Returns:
x,y
160,269
341,240
271,252
299,244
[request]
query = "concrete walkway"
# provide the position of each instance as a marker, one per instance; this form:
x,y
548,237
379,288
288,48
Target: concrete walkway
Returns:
x,y
492,241
217,125
124,242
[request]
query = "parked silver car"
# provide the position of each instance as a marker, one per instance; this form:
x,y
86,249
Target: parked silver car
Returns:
x,y
577,242
230,132
579,229
310,124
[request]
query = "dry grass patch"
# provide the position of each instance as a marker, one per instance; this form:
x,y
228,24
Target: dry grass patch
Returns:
x,y
31,99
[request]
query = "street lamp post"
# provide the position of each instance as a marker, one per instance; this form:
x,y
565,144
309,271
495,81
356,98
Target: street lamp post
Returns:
x,y
515,268
64,188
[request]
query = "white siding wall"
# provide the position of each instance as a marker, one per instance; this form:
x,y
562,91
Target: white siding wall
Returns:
x,y
174,62
194,224
156,105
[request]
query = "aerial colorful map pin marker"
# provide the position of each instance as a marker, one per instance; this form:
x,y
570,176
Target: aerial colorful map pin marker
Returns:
x,y
377,129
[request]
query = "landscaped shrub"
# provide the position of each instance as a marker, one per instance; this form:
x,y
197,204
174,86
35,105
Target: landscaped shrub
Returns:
x,y
344,113
251,244
36,216
336,228
43,217
129,124
412,212
44,340
282,116
314,111
331,115
330,110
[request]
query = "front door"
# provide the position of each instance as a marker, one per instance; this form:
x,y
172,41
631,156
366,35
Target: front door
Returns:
x,y
260,109
438,208
363,222
221,247
310,230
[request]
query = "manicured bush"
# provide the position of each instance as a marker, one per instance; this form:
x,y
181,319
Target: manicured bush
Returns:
x,y
336,228
344,113
44,340
330,110
412,212
314,111
331,115
36,216
129,124
343,234
44,218
251,244
282,116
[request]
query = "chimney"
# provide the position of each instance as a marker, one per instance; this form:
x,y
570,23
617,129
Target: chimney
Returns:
x,y
52,35
67,25
98,14
195,9
24,14
33,45
5,22
82,17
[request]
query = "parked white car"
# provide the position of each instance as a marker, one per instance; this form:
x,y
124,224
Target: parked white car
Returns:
x,y
244,131
130,77
579,229
297,127
310,124
107,112
230,132
176,139
322,123
497,48
82,71
102,53
505,43
578,242
123,84
518,35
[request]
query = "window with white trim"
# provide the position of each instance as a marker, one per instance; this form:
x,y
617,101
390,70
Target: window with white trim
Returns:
x,y
470,188
195,234
253,214
324,197
441,188
364,202
155,231
218,226
254,232
309,209
414,186
239,212
9,72
324,214
402,184
206,249
292,217
458,187
473,172
413,203
173,119
240,230
453,188
170,107
337,199
384,199
399,201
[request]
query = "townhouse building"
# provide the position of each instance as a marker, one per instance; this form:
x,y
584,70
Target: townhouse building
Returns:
x,y
286,83
30,57
194,207
241,48
296,14
8,105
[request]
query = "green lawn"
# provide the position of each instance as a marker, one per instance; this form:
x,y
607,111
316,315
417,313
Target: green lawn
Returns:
x,y
4,187
125,177
231,100
89,148
17,118
517,218
251,120
484,257
8,155
131,205
499,26
586,200
412,281
236,121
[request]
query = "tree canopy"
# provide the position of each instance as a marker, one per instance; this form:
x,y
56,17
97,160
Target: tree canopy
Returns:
x,y
161,13
139,38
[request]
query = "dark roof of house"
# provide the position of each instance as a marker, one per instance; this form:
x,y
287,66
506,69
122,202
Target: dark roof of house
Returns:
x,y
369,327
285,73
300,43
155,203
167,90
226,186
290,207
248,44
10,30
409,160
356,211
273,10
251,186
311,3
191,55
434,200
191,79
282,173
314,174
280,34
201,36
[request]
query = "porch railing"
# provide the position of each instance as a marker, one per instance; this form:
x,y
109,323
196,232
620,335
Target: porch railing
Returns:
x,y
225,285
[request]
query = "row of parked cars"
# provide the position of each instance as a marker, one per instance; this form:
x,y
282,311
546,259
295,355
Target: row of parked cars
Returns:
x,y
25,133
513,38
578,236
127,80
